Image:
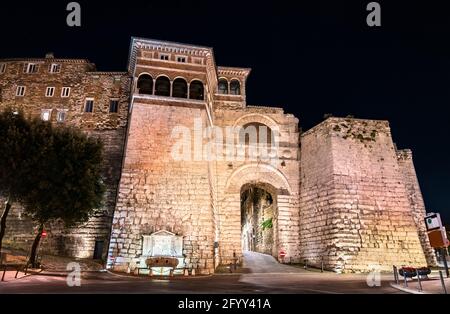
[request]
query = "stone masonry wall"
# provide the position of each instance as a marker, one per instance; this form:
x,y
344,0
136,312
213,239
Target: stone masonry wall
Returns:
x,y
159,193
84,83
363,217
317,237
405,161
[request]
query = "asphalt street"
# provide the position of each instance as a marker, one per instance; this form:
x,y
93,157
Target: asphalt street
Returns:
x,y
266,276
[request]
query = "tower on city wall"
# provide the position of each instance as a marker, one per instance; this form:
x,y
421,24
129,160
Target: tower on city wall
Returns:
x,y
356,208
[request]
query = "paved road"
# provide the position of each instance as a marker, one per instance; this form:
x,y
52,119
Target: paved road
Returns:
x,y
263,263
267,276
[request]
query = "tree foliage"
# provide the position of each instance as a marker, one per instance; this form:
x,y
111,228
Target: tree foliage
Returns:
x,y
54,172
68,185
68,180
18,158
17,154
267,224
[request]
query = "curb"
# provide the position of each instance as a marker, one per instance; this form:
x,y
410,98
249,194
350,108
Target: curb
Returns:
x,y
229,274
62,273
157,277
29,274
407,290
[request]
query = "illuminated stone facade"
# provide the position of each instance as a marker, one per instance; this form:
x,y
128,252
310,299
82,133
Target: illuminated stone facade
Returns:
x,y
339,192
80,82
361,198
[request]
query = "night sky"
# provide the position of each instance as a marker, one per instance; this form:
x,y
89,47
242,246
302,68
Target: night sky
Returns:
x,y
309,57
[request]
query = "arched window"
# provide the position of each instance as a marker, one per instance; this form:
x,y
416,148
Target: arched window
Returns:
x,y
145,84
235,87
223,86
196,90
256,133
162,86
179,88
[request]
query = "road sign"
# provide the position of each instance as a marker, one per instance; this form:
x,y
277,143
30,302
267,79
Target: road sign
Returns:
x,y
437,240
433,221
436,231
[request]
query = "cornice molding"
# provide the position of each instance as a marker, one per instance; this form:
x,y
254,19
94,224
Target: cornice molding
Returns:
x,y
231,71
165,46
107,73
43,60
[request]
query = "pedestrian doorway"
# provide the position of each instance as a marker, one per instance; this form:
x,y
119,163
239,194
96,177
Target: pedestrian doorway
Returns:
x,y
98,249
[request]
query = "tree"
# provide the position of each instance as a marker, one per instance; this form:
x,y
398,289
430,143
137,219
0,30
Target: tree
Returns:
x,y
68,183
17,160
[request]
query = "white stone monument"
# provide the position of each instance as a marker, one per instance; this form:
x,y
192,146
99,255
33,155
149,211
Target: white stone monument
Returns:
x,y
165,244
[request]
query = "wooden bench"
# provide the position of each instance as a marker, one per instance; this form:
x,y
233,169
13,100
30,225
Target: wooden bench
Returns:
x,y
159,261
18,263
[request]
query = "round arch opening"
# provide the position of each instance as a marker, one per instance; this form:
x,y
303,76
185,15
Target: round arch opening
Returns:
x,y
259,218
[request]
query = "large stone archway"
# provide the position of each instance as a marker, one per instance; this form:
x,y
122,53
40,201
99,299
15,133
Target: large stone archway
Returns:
x,y
266,177
257,173
259,118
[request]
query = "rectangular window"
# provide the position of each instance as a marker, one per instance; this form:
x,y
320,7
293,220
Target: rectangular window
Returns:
x,y
61,116
2,68
31,68
46,114
181,59
89,106
164,57
65,92
55,68
20,91
113,106
49,92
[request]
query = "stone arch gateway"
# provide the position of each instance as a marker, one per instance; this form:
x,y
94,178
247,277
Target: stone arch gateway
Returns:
x,y
232,232
258,173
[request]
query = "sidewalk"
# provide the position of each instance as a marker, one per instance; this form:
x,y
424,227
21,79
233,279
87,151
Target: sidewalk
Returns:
x,y
431,286
10,275
51,265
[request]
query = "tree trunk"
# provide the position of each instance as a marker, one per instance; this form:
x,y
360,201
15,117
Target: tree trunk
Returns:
x,y
3,221
35,246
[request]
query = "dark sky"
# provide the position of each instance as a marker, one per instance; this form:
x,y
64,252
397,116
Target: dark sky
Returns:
x,y
310,57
